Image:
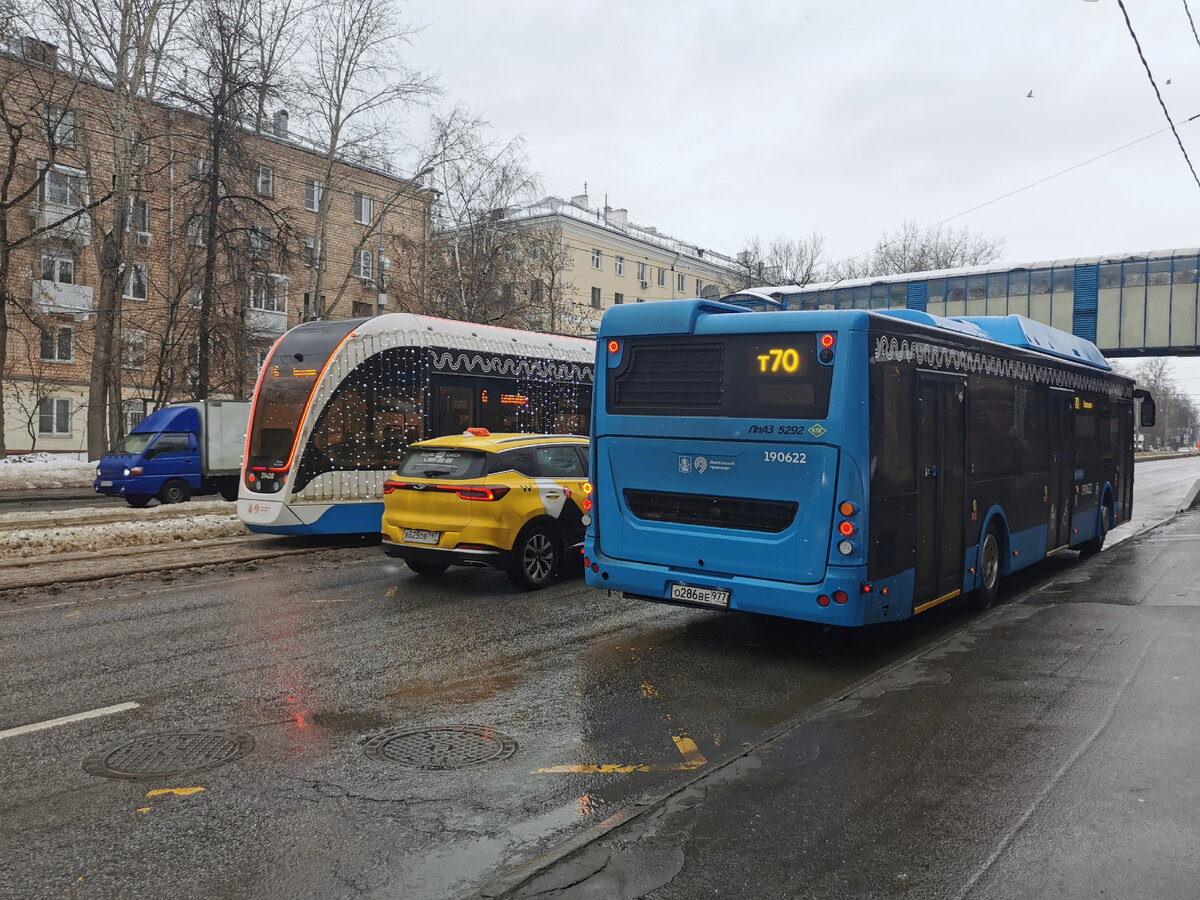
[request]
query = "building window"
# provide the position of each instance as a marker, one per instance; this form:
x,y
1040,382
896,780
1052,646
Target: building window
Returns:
x,y
133,350
133,411
366,264
662,277
196,298
619,265
197,233
361,309
363,209
313,192
313,251
679,283
58,346
137,287
54,416
313,310
58,266
198,166
618,298
139,148
699,286
268,292
63,187
264,182
537,290
595,298
641,269
60,126
597,259
139,215
261,238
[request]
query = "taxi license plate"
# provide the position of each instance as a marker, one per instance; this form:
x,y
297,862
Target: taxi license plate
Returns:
x,y
418,536
707,596
106,484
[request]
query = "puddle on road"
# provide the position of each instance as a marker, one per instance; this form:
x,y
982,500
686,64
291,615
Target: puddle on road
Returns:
x,y
349,722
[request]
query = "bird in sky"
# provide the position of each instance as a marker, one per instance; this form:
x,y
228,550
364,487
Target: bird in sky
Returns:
x,y
1030,94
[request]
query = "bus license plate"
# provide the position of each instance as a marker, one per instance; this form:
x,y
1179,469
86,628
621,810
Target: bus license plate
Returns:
x,y
707,596
417,536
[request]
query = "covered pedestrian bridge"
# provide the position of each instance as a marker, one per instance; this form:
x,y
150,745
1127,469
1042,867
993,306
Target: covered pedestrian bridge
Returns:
x,y
1139,304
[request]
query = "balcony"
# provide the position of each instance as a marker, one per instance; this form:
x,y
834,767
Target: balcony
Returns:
x,y
53,297
77,230
267,322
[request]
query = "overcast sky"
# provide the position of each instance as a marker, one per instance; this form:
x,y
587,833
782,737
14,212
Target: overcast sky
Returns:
x,y
721,121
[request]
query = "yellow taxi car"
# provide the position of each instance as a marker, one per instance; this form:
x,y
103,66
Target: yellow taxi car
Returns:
x,y
511,501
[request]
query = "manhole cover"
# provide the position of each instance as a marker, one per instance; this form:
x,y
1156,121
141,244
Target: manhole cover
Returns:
x,y
167,754
448,747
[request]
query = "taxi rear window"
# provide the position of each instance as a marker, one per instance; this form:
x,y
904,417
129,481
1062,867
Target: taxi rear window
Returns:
x,y
442,462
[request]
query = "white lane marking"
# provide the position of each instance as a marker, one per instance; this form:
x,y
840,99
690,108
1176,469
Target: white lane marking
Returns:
x,y
78,717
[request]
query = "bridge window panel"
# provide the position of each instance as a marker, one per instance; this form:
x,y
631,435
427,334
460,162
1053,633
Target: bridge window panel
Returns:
x,y
977,295
997,294
936,292
1039,281
1018,293
861,298
1158,303
1133,315
1108,318
1183,302
1110,277
844,299
879,296
1062,302
936,309
1039,297
1134,274
898,296
956,296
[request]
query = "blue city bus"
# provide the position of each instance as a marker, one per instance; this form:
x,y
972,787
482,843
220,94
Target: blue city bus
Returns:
x,y
846,466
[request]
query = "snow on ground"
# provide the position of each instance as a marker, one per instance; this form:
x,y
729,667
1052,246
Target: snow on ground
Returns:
x,y
30,471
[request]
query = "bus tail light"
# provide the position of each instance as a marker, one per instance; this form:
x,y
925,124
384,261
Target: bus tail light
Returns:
x,y
840,597
613,346
845,528
846,508
822,601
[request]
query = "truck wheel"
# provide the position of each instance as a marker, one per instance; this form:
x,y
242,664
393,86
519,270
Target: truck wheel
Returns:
x,y
137,501
174,491
535,556
229,492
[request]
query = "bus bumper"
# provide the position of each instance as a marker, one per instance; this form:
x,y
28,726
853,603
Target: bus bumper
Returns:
x,y
648,581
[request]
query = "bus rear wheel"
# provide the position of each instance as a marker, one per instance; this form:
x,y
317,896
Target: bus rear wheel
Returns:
x,y
989,570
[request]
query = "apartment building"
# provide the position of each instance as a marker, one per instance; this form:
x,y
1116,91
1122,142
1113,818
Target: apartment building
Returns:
x,y
608,260
371,261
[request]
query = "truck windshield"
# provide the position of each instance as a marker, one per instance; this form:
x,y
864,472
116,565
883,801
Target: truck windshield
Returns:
x,y
285,389
133,444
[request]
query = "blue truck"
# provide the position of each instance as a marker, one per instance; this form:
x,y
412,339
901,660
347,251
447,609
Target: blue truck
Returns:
x,y
178,451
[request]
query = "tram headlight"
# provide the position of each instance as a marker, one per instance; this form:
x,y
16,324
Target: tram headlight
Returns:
x,y
845,548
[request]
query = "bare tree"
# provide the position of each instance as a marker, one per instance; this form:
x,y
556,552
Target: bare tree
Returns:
x,y
1177,416
356,83
914,249
122,45
783,261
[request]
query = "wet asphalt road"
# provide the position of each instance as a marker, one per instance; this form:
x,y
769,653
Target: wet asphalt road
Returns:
x,y
608,701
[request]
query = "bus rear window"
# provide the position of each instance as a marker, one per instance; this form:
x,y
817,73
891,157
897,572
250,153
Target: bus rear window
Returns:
x,y
774,376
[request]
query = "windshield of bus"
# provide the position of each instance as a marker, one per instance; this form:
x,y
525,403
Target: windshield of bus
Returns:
x,y
133,444
286,386
774,376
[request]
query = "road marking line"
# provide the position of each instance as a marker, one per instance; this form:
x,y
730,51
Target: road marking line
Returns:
x,y
64,720
693,759
178,792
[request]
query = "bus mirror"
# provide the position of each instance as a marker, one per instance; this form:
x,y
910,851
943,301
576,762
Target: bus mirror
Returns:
x,y
1148,409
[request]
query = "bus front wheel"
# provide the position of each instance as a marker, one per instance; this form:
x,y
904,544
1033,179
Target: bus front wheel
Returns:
x,y
1096,544
989,570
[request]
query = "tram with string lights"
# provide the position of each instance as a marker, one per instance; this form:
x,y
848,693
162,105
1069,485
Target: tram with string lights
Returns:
x,y
846,467
337,402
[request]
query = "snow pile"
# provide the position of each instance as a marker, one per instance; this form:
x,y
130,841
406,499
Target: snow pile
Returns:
x,y
31,471
195,521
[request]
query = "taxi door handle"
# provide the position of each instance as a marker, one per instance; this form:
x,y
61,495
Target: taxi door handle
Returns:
x,y
554,495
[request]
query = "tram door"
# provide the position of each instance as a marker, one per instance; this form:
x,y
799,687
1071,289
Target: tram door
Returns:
x,y
941,469
1061,477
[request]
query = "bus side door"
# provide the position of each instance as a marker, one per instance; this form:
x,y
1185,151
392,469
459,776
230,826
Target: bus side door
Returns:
x,y
1062,469
941,470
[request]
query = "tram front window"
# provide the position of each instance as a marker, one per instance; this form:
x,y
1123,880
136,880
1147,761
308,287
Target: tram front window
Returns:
x,y
285,388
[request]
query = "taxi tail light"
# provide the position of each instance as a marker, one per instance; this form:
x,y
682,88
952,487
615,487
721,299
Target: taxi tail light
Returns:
x,y
481,493
388,486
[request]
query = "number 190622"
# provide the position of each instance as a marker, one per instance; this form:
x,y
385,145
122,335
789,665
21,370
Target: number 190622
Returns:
x,y
784,456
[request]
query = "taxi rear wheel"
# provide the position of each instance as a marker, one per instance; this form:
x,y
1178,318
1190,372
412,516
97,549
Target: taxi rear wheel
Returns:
x,y
426,568
535,558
